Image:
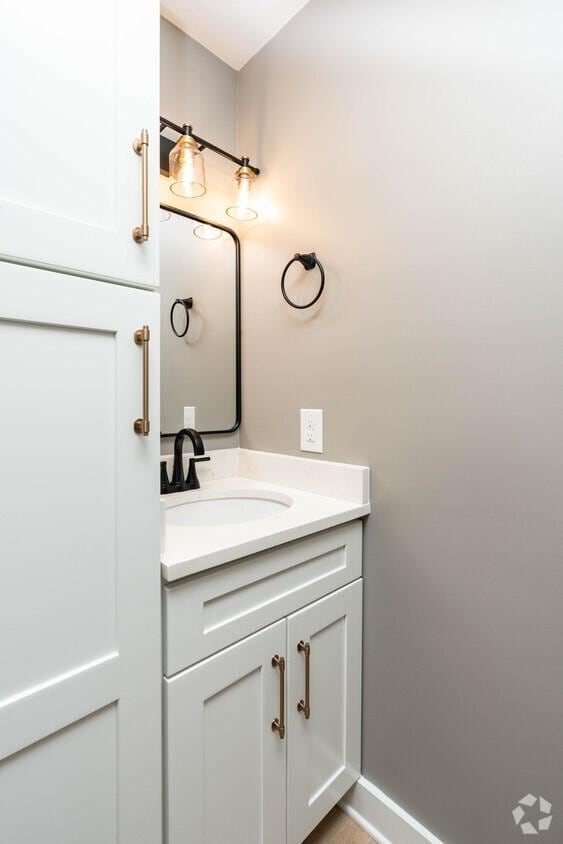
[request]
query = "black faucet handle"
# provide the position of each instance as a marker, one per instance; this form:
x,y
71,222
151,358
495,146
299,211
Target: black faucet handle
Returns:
x,y
164,481
194,460
192,481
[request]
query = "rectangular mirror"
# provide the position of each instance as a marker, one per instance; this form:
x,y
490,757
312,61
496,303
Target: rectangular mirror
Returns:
x,y
200,364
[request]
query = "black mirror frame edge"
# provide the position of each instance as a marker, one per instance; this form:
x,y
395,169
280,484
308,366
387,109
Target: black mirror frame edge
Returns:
x,y
172,210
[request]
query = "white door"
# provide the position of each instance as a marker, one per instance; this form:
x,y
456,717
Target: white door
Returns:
x,y
79,82
80,709
323,751
225,766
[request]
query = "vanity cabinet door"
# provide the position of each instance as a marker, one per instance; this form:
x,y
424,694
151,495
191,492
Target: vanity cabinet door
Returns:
x,y
80,687
323,759
225,766
79,83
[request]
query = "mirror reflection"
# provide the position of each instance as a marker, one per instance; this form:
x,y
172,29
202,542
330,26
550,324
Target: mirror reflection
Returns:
x,y
199,367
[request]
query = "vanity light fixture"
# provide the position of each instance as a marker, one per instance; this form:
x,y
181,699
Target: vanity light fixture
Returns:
x,y
206,232
187,168
182,161
243,210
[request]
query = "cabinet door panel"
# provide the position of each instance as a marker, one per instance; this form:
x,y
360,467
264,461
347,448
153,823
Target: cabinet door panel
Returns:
x,y
63,788
323,751
225,767
81,81
59,381
79,550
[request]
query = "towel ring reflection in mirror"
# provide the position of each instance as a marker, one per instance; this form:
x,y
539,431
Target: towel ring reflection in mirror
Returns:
x,y
187,304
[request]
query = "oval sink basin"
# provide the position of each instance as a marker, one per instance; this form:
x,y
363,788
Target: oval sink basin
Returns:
x,y
227,509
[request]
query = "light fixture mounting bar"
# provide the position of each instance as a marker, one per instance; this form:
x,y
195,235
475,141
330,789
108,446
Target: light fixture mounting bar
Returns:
x,y
186,129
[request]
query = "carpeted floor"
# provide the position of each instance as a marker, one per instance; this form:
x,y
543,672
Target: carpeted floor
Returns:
x,y
338,828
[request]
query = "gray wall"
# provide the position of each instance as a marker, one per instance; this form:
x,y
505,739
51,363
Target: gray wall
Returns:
x,y
196,87
418,148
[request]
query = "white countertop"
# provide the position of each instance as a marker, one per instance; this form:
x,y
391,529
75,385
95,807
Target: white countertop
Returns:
x,y
189,550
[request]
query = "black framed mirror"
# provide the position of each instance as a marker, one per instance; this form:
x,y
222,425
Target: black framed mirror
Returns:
x,y
200,347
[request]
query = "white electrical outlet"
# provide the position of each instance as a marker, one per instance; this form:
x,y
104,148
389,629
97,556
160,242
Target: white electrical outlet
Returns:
x,y
189,417
312,430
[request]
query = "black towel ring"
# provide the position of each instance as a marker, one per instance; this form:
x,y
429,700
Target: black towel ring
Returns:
x,y
308,261
187,304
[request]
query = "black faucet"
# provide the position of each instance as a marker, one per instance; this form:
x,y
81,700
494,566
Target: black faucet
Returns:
x,y
178,482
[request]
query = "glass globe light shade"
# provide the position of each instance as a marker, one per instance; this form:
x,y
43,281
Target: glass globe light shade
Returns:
x,y
242,209
186,169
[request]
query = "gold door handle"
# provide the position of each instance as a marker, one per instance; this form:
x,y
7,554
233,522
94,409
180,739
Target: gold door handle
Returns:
x,y
305,705
141,147
142,338
278,724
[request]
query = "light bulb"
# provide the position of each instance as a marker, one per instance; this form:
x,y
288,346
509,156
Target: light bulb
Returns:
x,y
242,210
187,169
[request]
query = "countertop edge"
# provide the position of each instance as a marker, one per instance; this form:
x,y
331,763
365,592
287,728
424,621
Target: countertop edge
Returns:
x,y
173,572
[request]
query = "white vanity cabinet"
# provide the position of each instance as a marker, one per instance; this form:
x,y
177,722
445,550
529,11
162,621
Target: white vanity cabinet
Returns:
x,y
80,661
323,751
80,667
229,775
226,767
80,82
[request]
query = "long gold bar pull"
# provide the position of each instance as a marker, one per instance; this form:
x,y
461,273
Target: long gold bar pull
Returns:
x,y
142,338
141,147
305,705
278,724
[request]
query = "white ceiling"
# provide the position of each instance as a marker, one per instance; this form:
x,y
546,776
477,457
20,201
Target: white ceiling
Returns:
x,y
232,29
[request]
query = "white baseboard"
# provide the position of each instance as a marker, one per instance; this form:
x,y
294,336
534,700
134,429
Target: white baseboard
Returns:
x,y
382,818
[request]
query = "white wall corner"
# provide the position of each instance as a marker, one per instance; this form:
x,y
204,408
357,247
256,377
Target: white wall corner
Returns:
x,y
383,819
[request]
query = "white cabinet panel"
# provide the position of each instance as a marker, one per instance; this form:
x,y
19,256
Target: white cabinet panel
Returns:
x,y
225,766
63,788
323,759
59,396
81,81
79,550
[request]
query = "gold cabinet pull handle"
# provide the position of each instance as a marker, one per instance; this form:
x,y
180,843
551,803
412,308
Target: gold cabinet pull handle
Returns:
x,y
142,338
141,147
304,706
278,724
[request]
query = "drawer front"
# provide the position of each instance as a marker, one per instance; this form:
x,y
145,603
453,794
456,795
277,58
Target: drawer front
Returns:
x,y
210,611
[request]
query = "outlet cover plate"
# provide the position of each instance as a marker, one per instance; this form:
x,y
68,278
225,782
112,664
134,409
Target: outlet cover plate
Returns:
x,y
189,417
312,430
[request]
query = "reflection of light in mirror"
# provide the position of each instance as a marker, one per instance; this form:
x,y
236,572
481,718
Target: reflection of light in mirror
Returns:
x,y
164,215
207,232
